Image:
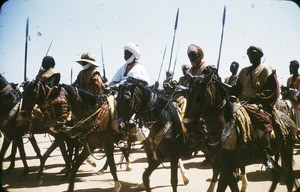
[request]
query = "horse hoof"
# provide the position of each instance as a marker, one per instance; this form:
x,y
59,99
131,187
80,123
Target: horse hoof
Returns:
x,y
64,170
128,169
100,172
186,181
140,187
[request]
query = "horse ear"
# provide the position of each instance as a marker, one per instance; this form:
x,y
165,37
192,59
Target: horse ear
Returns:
x,y
206,78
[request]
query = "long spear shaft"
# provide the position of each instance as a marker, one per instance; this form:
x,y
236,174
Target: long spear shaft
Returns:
x,y
175,60
71,76
162,62
175,28
26,45
103,62
49,48
220,49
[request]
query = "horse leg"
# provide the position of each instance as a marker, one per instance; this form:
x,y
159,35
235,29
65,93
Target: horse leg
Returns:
x,y
109,151
11,157
244,179
287,165
227,177
4,148
185,177
126,153
66,157
174,172
52,147
76,164
214,180
35,146
20,145
152,165
104,168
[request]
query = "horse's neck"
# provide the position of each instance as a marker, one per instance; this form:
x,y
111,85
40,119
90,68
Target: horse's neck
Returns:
x,y
215,119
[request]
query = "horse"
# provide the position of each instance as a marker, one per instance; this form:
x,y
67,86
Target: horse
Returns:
x,y
92,117
11,128
38,100
166,139
227,142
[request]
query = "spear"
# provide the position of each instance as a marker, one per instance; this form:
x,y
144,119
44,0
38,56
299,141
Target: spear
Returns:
x,y
46,55
220,49
103,62
26,45
71,75
175,28
49,48
175,60
162,62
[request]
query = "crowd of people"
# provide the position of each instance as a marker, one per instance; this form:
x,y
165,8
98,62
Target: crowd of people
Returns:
x,y
255,84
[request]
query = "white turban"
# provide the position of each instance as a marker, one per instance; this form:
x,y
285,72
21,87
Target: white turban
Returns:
x,y
133,48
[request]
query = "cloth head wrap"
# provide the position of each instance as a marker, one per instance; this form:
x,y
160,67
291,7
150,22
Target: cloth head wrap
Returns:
x,y
295,63
195,48
255,49
133,48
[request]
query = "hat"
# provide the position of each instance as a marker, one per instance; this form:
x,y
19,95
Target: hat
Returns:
x,y
255,49
134,49
89,58
195,48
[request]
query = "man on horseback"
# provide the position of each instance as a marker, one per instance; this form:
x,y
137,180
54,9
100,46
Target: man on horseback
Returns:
x,y
47,74
293,83
257,84
84,78
132,69
199,67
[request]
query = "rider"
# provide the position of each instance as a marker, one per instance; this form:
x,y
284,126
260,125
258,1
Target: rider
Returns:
x,y
47,74
257,84
131,69
234,67
199,67
84,78
293,82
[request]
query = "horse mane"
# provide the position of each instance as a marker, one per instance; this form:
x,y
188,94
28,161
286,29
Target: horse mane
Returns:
x,y
163,108
76,94
222,88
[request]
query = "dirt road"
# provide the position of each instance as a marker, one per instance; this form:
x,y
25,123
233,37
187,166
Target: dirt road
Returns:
x,y
89,181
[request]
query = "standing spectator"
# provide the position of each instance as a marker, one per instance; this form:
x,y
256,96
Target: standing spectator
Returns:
x,y
293,82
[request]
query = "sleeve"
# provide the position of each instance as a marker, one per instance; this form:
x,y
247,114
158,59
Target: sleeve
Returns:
x,y
270,92
117,77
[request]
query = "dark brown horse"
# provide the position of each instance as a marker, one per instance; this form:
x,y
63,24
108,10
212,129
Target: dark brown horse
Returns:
x,y
208,100
93,127
166,139
52,116
9,111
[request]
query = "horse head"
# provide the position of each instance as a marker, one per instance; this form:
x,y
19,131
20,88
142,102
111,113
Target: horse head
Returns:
x,y
206,98
9,96
132,97
34,93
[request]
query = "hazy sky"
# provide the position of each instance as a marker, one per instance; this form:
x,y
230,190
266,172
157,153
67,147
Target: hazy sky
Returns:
x,y
77,26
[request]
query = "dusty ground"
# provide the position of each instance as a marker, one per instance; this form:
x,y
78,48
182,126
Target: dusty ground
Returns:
x,y
89,181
